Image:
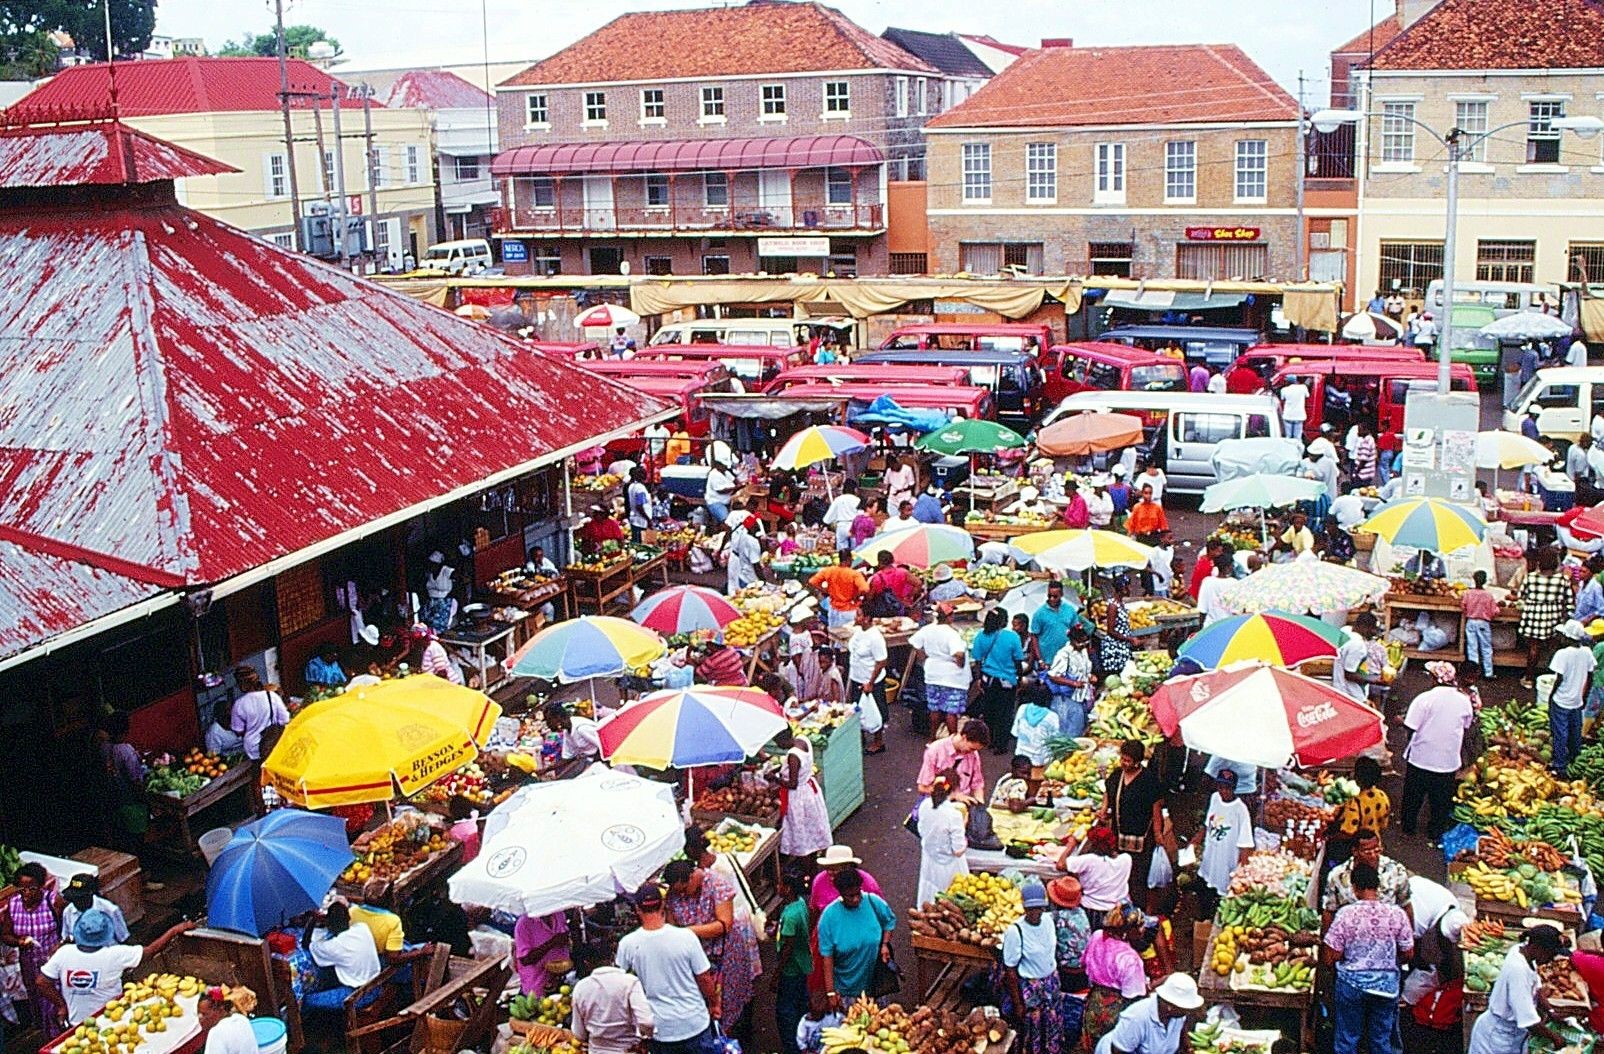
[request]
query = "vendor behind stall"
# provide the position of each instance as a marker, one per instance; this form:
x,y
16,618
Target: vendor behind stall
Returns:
x,y
597,530
82,977
1513,1015
82,894
579,733
345,950
224,1017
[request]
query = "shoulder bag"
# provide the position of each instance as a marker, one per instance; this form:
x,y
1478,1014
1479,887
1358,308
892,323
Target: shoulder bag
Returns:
x,y
979,682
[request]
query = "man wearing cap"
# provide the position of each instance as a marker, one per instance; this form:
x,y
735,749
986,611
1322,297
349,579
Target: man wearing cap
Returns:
x,y
83,893
1574,665
82,977
1438,922
680,984
1156,1024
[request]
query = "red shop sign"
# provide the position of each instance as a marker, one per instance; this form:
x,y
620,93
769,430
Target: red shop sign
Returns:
x,y
1222,234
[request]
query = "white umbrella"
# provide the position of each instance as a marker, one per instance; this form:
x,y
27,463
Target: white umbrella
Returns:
x,y
1025,599
605,316
572,844
1500,449
1527,325
1371,328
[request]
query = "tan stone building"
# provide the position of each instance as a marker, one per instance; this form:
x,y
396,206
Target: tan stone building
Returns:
x,y
1165,161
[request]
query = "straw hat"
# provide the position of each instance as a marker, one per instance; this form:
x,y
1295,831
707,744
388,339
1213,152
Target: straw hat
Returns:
x,y
838,856
1065,892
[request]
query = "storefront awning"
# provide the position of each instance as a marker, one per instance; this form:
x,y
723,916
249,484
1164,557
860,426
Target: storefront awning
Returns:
x,y
1170,300
685,155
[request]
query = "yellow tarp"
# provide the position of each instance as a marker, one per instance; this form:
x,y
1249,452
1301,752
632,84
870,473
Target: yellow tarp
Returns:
x,y
1313,309
1592,318
860,297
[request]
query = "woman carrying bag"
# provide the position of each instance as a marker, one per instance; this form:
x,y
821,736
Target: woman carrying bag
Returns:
x,y
1133,805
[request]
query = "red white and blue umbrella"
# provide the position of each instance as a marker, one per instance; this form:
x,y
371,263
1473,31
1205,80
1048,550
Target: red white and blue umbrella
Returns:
x,y
605,316
685,609
700,725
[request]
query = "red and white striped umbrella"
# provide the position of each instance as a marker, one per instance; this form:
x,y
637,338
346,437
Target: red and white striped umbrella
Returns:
x,y
605,316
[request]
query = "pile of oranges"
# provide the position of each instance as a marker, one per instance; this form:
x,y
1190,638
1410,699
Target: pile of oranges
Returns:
x,y
200,763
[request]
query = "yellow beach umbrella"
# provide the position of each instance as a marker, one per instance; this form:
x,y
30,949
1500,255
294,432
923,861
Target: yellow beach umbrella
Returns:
x,y
1080,550
379,742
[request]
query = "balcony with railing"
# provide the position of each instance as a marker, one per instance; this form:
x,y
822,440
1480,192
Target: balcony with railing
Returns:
x,y
801,218
1329,158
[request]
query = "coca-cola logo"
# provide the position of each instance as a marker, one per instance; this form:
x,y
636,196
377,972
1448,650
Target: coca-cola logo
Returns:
x,y
1310,716
1201,692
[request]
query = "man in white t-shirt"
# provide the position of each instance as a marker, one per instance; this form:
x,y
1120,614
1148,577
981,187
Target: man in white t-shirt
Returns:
x,y
347,948
1224,840
1294,407
81,894
1349,510
945,660
841,512
1574,664
82,977
674,972
866,673
1348,675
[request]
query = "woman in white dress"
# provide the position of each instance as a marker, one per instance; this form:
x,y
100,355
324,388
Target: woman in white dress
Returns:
x,y
805,828
942,843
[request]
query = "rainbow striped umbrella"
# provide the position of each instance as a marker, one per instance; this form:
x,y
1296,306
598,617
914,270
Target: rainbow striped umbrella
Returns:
x,y
924,545
1426,523
685,609
585,647
698,726
1275,637
819,443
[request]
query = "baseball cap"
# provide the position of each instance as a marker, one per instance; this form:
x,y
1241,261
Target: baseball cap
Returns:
x,y
649,896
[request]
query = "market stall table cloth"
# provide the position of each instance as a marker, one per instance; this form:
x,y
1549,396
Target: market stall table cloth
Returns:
x,y
572,844
274,869
818,443
586,647
1426,523
1264,716
924,545
1081,550
1089,433
701,725
1275,637
1306,585
685,609
379,742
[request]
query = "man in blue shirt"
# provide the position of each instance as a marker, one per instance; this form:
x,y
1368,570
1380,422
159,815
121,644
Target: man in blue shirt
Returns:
x,y
928,508
1528,362
1590,600
1051,622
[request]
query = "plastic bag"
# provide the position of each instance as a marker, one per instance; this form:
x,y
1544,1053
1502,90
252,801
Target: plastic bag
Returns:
x,y
1160,875
1418,983
869,714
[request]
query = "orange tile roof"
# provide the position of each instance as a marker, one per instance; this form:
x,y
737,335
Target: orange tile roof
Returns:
x,y
1500,35
762,36
1164,84
1372,39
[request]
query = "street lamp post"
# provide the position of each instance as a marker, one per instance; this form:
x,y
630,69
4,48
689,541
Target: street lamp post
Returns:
x,y
1458,143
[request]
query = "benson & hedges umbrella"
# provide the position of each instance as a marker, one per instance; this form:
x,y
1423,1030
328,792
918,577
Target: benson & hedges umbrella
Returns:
x,y
274,869
701,725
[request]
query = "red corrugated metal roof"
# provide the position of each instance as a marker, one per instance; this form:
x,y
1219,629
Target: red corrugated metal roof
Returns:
x,y
184,402
166,86
686,155
43,595
432,90
102,153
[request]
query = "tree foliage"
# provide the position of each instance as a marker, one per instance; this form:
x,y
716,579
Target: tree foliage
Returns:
x,y
26,25
298,40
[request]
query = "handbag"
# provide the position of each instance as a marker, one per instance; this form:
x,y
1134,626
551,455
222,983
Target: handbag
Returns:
x,y
979,682
886,980
760,918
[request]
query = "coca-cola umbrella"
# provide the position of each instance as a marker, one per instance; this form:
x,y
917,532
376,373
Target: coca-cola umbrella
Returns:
x,y
1266,716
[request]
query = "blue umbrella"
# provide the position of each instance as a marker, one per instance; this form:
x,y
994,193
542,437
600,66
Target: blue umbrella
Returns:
x,y
275,869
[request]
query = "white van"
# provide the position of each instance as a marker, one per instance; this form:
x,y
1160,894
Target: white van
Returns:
x,y
750,332
466,257
1567,398
1183,429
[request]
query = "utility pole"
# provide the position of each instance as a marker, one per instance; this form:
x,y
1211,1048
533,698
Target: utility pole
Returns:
x,y
373,172
339,181
289,128
1303,170
1445,343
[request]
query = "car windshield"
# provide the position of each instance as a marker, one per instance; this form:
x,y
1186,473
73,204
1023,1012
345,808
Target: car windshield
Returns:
x,y
437,253
1159,377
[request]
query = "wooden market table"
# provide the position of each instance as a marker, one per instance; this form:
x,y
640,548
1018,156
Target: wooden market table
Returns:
x,y
762,654
1001,532
941,967
597,589
1217,989
1405,607
656,567
239,781
761,867
478,639
553,591
414,881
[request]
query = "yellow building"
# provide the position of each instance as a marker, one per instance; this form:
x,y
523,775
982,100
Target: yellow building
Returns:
x,y
229,109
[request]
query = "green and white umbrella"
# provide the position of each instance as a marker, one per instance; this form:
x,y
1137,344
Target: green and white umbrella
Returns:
x,y
970,436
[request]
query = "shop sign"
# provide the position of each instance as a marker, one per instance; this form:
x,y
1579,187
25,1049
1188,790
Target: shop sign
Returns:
x,y
1222,234
514,252
793,246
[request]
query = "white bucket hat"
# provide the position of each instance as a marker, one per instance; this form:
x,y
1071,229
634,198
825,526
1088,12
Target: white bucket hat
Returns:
x,y
1179,990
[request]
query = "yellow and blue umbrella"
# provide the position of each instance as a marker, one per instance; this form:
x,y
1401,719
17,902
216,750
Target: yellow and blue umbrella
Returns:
x,y
274,869
819,443
1274,637
698,726
586,647
1426,523
923,545
685,609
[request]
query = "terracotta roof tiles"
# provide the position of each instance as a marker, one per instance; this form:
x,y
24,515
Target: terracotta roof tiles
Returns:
x,y
1500,35
1373,39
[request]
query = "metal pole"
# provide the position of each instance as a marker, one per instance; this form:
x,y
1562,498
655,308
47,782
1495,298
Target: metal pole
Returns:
x,y
1303,168
1445,355
372,165
342,248
289,129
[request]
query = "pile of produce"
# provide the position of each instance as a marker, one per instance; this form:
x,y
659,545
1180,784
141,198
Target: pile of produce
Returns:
x,y
1560,981
10,860
554,1009
1257,909
1270,957
745,798
1277,873
517,579
1145,614
1588,766
1424,587
606,558
1518,730
1216,1037
1021,518
143,1010
993,578
751,628
1524,885
677,538
1236,538
597,483
732,837
974,909
1497,849
167,776
892,1030
392,850
468,782
802,565
1300,826
1153,665
1077,772
1557,824
555,1041
1501,789
642,554
1122,712
760,598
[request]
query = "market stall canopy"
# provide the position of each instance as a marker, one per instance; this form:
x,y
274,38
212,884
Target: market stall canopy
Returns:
x,y
1260,491
970,435
1025,599
586,647
182,403
274,869
1275,637
1267,717
685,609
685,155
1426,523
572,844
1089,433
1234,458
1169,300
379,742
1371,328
1501,449
701,725
1527,325
764,408
1306,585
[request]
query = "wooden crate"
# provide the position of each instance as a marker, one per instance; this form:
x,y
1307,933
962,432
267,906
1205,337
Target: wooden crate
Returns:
x,y
122,881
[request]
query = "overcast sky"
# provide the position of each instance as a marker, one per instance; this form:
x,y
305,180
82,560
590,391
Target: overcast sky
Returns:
x,y
1284,36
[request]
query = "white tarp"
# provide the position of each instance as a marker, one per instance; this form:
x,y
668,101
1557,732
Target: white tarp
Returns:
x,y
572,843
1272,455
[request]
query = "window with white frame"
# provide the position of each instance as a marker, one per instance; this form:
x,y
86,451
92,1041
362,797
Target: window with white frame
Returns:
x,y
536,111
1180,170
1252,169
328,171
468,169
837,97
283,239
378,160
1041,172
921,88
716,189
712,101
837,186
414,163
543,192
773,100
1397,132
276,169
899,91
977,171
1542,138
1110,185
595,106
656,190
1470,117
652,106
